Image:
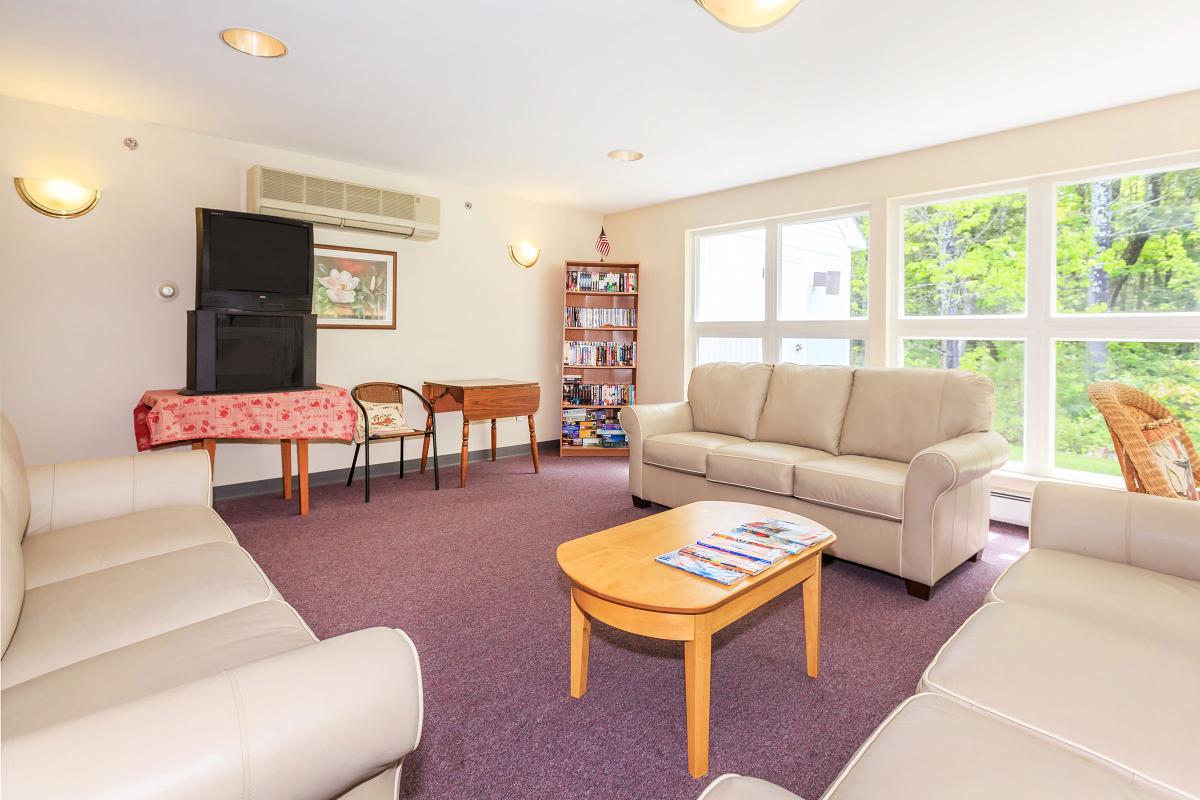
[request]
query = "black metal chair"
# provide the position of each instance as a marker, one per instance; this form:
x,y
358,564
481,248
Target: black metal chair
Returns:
x,y
382,392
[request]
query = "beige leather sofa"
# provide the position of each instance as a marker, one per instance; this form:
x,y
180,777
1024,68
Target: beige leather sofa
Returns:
x,y
1079,678
896,461
146,655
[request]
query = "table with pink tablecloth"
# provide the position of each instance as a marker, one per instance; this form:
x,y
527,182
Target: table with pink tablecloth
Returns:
x,y
163,416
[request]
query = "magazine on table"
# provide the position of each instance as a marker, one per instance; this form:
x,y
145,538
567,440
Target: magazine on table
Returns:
x,y
728,556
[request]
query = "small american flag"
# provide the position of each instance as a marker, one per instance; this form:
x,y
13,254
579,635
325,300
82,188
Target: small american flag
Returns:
x,y
602,246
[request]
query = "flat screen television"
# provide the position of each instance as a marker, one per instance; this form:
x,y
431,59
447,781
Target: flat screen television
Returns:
x,y
253,262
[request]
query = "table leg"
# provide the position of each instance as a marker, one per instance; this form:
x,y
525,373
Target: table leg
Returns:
x,y
285,457
697,665
812,622
425,442
302,459
581,632
537,468
493,440
209,445
462,467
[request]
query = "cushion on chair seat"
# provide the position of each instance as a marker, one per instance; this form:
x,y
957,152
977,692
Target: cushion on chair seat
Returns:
x,y
864,485
685,452
1130,700
81,617
68,552
936,749
1139,601
152,665
766,466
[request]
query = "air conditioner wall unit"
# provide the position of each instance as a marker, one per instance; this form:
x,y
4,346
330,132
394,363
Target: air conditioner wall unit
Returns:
x,y
344,205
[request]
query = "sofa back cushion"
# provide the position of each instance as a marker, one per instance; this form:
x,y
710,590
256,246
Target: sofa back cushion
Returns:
x,y
14,516
805,406
895,413
728,398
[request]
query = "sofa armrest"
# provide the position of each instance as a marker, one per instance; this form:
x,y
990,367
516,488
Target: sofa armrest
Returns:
x,y
643,421
1157,533
308,723
75,492
939,534
739,787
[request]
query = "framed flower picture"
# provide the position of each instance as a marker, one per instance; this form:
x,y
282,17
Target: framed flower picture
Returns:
x,y
354,287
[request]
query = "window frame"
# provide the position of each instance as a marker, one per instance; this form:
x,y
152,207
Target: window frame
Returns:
x,y
1041,327
772,330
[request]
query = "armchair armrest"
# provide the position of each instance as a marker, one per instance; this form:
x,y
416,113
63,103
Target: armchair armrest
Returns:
x,y
643,421
75,492
1156,533
929,546
308,723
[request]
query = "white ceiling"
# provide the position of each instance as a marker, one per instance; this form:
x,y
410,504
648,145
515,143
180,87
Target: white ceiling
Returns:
x,y
526,97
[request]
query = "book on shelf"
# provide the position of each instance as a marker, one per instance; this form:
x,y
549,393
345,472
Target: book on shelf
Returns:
x,y
583,427
574,317
599,354
578,393
731,555
585,280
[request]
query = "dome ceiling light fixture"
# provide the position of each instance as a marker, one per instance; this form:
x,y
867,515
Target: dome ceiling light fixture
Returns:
x,y
626,155
748,15
254,43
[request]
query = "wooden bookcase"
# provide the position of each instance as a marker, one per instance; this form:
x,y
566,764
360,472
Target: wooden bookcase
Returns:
x,y
625,303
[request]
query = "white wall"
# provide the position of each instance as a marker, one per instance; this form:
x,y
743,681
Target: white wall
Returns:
x,y
82,333
656,235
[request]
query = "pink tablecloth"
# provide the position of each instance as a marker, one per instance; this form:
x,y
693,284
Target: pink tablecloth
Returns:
x,y
164,415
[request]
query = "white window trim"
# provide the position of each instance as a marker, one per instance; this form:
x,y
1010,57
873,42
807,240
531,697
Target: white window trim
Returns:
x,y
772,330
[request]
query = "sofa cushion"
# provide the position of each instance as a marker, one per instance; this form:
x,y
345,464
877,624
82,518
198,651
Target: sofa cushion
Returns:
x,y
1138,601
739,787
685,452
14,517
152,665
68,552
872,486
1129,699
81,617
728,398
805,406
895,413
936,749
766,466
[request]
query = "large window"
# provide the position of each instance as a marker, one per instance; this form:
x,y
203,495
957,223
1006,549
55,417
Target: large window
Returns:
x,y
788,290
1045,286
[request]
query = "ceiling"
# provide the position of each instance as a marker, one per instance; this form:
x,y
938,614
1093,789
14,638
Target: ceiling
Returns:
x,y
526,97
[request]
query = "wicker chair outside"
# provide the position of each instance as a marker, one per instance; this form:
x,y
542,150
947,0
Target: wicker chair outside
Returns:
x,y
382,392
1125,409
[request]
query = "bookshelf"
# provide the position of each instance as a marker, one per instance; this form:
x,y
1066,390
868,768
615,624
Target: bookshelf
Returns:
x,y
599,374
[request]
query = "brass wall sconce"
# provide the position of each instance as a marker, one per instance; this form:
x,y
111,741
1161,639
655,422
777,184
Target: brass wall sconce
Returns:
x,y
57,198
524,254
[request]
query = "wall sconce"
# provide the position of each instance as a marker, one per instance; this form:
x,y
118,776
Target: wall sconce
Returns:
x,y
57,198
524,254
748,15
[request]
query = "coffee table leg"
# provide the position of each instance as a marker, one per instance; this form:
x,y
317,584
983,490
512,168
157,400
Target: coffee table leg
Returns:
x,y
581,632
697,665
812,621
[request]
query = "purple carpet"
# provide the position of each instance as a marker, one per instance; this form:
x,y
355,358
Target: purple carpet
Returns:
x,y
470,575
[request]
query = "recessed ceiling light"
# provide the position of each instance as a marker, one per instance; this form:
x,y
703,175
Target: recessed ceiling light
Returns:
x,y
254,43
626,155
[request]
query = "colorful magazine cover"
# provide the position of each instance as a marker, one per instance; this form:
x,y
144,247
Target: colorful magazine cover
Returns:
x,y
756,551
790,531
750,536
724,559
701,567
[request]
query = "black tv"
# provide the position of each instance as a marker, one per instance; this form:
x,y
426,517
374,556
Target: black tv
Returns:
x,y
250,351
253,262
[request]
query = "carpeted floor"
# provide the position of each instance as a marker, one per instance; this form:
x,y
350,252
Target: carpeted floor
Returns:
x,y
471,576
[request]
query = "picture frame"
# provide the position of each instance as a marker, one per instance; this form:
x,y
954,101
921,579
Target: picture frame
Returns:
x,y
354,287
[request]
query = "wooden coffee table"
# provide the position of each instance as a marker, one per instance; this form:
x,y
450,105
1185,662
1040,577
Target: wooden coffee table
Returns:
x,y
615,579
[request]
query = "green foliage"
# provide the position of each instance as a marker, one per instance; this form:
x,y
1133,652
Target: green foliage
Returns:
x,y
1130,244
858,270
965,257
